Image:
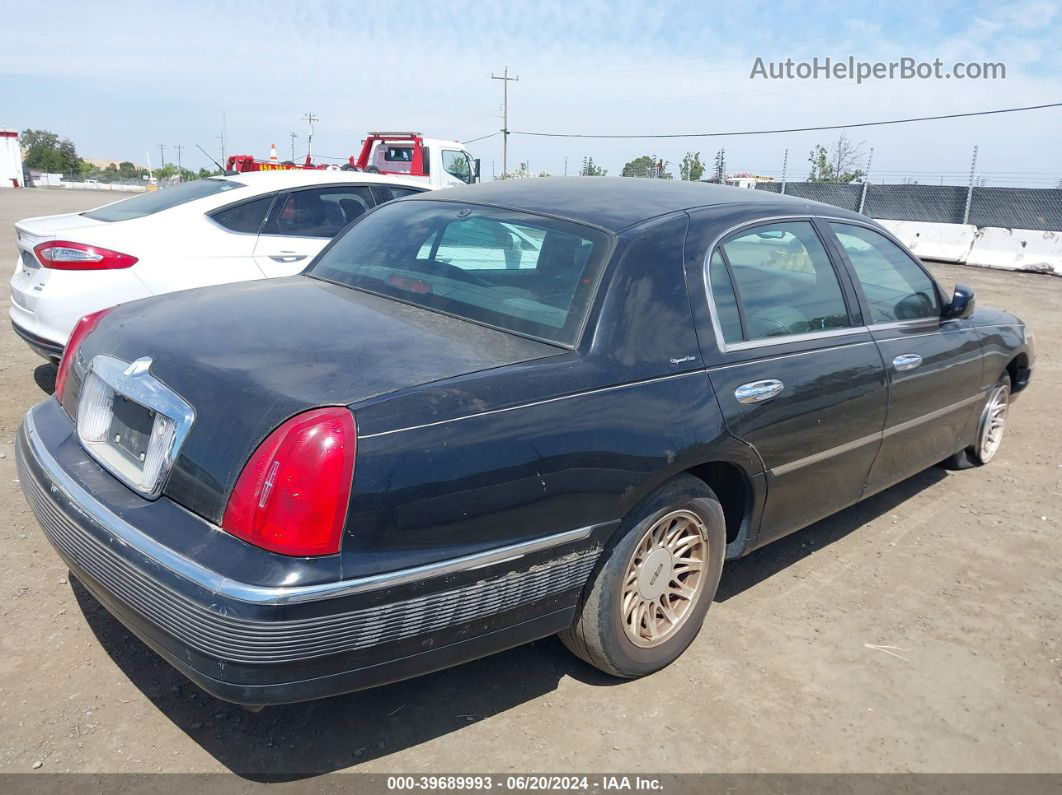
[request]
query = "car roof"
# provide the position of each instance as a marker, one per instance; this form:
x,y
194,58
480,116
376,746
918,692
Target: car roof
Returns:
x,y
615,203
295,178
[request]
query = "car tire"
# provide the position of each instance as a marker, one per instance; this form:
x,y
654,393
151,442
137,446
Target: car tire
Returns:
x,y
629,621
990,428
372,170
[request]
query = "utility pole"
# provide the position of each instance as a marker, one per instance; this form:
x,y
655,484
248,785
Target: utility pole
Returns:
x,y
178,147
309,117
969,190
293,137
504,77
866,181
162,155
785,165
566,165
222,139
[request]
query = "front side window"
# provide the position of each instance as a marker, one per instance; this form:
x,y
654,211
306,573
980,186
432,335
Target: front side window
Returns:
x,y
519,272
163,199
318,212
456,164
784,281
895,286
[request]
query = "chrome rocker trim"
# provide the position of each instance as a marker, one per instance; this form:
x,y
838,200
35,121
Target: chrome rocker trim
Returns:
x,y
64,487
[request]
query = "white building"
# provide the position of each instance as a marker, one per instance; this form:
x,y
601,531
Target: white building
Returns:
x,y
10,160
745,180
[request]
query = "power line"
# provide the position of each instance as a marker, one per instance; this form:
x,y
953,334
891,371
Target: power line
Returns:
x,y
482,137
796,129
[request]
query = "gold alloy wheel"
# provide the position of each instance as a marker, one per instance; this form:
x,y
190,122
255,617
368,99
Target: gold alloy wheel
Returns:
x,y
995,422
664,578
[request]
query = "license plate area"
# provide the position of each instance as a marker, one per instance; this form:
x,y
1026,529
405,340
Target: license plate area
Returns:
x,y
130,429
30,265
131,422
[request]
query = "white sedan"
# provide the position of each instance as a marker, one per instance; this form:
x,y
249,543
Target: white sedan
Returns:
x,y
212,231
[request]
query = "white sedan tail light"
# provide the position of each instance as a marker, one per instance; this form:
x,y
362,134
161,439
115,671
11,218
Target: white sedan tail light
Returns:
x,y
68,256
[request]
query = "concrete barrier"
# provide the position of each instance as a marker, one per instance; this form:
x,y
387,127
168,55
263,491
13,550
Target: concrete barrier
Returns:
x,y
983,247
1017,250
92,185
943,242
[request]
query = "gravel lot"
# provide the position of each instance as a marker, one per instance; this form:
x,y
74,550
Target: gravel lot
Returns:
x,y
918,631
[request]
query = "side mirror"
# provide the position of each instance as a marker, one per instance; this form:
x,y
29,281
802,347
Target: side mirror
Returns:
x,y
962,302
476,161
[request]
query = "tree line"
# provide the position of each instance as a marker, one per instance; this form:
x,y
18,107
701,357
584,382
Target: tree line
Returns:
x,y
838,162
46,151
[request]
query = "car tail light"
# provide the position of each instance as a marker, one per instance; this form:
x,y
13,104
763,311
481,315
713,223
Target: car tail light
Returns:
x,y
292,495
82,329
64,255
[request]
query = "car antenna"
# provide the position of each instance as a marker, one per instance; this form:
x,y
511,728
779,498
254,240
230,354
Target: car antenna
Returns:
x,y
212,160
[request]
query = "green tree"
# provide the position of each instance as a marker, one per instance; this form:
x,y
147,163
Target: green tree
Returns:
x,y
837,163
647,166
127,170
45,151
591,169
691,168
521,173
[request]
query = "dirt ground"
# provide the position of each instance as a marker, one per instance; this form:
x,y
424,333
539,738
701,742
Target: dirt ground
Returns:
x,y
918,631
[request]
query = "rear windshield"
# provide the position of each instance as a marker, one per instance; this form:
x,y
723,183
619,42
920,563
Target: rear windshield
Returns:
x,y
162,199
518,272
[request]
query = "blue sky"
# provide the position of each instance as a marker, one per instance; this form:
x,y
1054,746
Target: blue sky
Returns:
x,y
121,78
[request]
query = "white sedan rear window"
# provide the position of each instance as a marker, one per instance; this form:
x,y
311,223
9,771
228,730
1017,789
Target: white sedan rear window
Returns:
x,y
163,199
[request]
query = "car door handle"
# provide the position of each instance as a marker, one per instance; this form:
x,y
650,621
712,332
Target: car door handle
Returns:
x,y
758,391
907,361
287,257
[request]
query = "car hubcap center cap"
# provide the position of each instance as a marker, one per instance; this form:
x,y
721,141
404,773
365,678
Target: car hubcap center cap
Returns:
x,y
655,574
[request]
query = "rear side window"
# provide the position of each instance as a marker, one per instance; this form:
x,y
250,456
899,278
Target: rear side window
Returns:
x,y
318,212
246,217
724,298
896,288
163,199
784,282
386,193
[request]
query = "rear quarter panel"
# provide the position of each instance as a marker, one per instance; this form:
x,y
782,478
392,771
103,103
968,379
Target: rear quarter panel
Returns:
x,y
511,474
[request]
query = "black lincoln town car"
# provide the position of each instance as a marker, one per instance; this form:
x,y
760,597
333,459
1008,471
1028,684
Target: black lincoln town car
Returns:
x,y
491,414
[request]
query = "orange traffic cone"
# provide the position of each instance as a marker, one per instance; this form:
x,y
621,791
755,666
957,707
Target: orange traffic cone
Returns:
x,y
273,154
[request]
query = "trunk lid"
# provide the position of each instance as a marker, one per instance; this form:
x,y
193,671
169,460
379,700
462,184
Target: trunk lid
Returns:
x,y
51,227
248,356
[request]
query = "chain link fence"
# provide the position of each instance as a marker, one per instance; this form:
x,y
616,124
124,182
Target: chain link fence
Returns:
x,y
1011,208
